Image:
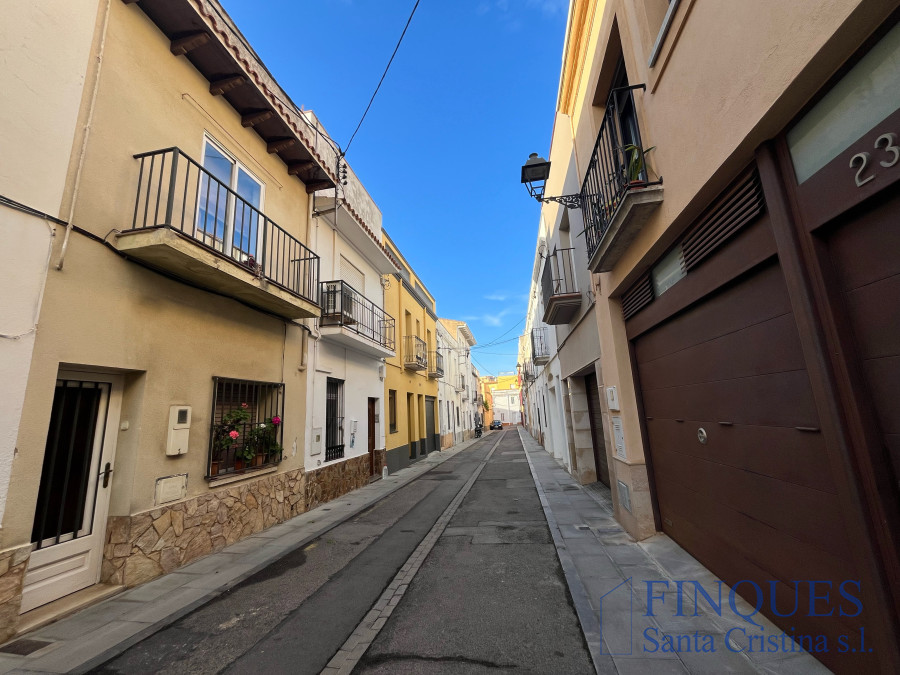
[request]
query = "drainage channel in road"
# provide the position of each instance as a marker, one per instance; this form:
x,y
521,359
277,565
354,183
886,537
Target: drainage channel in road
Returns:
x,y
345,660
491,595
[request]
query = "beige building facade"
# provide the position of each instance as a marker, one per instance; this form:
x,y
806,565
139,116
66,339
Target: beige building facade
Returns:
x,y
163,414
733,173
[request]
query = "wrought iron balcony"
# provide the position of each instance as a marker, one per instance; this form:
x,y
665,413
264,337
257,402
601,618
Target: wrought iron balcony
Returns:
x,y
617,194
435,364
188,223
561,299
350,318
528,372
540,345
415,353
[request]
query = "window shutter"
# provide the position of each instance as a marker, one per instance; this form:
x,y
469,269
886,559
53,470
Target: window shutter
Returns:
x,y
353,276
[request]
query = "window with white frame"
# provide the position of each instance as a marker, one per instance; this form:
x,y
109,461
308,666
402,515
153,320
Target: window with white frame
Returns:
x,y
228,207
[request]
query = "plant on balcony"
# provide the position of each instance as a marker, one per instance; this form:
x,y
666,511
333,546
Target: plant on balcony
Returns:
x,y
636,163
226,434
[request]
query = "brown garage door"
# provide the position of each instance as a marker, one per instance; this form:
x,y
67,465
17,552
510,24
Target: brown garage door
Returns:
x,y
757,500
865,255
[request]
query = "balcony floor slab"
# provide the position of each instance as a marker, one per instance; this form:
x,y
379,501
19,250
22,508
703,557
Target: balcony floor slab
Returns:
x,y
346,337
184,258
627,222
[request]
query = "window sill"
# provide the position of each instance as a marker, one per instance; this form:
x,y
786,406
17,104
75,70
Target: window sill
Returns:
x,y
234,478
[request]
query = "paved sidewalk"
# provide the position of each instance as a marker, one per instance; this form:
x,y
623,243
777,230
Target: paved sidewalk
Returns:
x,y
93,635
607,573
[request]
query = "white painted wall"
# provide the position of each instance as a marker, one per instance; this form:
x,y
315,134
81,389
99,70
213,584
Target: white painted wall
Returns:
x,y
360,372
360,375
23,269
506,406
44,58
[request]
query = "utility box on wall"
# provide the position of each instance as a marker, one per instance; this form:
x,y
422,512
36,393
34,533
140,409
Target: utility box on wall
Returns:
x,y
179,430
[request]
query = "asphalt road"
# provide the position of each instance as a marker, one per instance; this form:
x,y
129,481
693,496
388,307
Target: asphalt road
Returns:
x,y
490,595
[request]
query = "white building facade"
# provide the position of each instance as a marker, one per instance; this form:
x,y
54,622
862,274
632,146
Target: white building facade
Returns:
x,y
349,342
507,406
458,396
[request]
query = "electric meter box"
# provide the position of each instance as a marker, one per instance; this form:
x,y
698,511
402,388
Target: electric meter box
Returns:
x,y
179,430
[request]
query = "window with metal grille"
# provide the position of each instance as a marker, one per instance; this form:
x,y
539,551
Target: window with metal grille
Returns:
x,y
245,428
334,419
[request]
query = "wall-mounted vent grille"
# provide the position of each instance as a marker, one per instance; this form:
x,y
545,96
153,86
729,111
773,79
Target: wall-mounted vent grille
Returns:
x,y
624,496
740,205
638,296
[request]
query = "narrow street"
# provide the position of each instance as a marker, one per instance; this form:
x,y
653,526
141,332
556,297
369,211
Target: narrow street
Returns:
x,y
489,594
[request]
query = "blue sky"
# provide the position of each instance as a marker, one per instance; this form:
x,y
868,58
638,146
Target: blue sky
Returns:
x,y
471,92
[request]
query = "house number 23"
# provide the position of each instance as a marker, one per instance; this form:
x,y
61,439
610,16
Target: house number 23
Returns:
x,y
886,143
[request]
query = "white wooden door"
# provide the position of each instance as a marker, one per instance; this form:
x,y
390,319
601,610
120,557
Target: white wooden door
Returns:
x,y
73,499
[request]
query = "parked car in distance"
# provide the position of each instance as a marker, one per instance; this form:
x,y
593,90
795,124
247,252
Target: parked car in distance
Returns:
x,y
496,424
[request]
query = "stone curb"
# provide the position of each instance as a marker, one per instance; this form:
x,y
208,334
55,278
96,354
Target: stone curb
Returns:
x,y
111,648
590,626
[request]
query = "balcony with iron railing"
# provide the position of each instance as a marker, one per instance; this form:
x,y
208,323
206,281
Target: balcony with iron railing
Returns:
x,y
349,318
435,364
528,372
540,345
415,353
617,195
188,223
561,298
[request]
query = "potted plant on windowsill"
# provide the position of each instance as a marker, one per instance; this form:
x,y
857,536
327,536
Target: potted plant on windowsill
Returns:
x,y
226,435
636,165
262,442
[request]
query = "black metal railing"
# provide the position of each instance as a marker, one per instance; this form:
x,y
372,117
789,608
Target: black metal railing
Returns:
x,y
558,277
246,423
335,450
435,364
528,372
617,165
415,352
176,192
343,306
540,344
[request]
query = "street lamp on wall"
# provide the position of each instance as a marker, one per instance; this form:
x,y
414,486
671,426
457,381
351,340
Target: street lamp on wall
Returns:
x,y
535,172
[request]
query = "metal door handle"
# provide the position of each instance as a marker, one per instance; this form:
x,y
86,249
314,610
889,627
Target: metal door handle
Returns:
x,y
108,470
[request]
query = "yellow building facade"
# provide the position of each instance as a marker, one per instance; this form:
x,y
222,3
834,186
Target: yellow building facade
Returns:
x,y
411,378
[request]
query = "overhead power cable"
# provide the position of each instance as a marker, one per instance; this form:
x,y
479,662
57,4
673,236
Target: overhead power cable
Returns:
x,y
494,344
383,75
496,340
484,367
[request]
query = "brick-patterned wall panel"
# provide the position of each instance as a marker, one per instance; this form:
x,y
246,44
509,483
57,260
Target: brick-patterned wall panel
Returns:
x,y
334,480
380,459
13,563
146,545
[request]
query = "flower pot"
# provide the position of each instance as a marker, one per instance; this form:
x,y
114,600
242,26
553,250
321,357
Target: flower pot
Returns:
x,y
214,468
238,463
258,460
